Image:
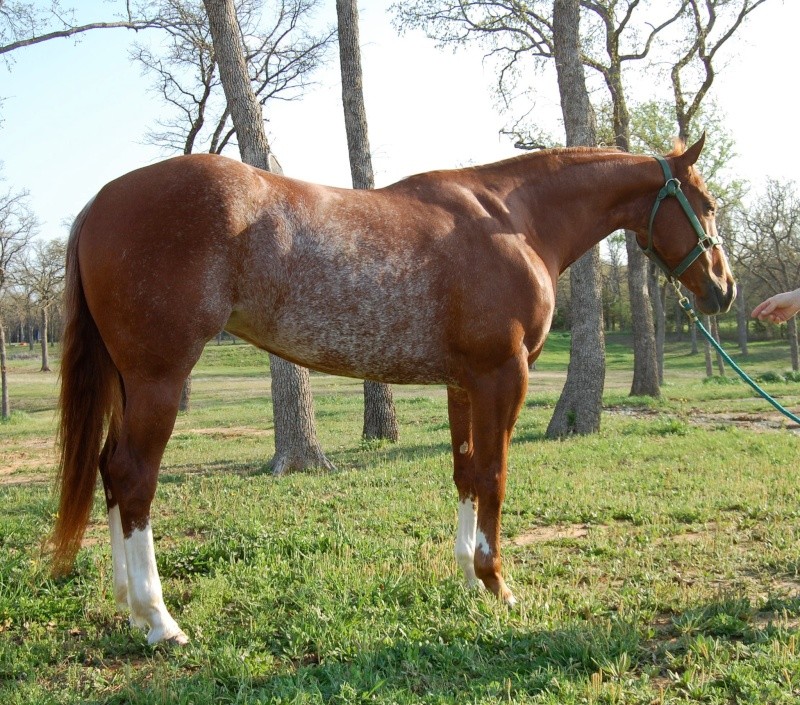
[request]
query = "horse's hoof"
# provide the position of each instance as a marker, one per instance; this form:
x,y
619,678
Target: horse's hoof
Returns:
x,y
179,639
171,636
509,599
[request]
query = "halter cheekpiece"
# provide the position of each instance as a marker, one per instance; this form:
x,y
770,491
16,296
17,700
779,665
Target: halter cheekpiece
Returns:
x,y
672,187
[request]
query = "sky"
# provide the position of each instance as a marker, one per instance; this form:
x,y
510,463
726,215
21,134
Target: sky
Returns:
x,y
75,113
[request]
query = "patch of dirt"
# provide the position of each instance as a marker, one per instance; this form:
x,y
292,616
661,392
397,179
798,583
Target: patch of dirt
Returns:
x,y
761,421
230,432
23,464
96,533
764,619
541,534
22,478
692,537
753,422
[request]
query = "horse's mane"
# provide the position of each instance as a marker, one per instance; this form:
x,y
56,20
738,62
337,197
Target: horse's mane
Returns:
x,y
552,151
536,155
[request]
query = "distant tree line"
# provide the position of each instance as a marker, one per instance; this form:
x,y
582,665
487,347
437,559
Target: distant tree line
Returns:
x,y
31,284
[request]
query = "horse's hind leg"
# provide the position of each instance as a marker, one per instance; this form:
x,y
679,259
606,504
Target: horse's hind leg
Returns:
x,y
459,412
114,522
132,473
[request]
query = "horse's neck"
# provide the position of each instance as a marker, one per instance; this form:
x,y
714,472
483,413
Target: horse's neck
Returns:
x,y
578,197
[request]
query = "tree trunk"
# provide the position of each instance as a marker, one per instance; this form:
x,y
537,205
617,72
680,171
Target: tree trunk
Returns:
x,y
659,319
43,336
185,404
380,418
791,332
5,408
741,318
707,350
645,359
715,333
296,444
578,408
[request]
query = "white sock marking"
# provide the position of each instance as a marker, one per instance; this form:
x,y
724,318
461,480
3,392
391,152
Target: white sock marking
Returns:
x,y
465,540
144,589
118,559
483,543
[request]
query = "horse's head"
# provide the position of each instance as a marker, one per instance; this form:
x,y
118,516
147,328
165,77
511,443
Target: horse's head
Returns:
x,y
682,237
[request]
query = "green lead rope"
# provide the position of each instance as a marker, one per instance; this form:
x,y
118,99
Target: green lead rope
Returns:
x,y
687,307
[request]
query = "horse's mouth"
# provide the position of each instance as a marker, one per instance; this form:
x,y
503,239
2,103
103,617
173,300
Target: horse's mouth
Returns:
x,y
716,300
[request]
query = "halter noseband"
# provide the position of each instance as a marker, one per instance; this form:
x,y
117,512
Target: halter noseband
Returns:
x,y
672,187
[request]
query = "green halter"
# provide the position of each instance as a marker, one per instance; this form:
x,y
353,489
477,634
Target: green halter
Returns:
x,y
672,187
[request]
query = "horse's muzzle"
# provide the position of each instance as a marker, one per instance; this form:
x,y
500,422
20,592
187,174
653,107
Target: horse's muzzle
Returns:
x,y
717,299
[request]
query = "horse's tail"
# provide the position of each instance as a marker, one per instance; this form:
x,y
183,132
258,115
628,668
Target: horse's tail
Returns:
x,y
90,392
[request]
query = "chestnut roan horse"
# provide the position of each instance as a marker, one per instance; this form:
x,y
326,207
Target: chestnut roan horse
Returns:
x,y
447,277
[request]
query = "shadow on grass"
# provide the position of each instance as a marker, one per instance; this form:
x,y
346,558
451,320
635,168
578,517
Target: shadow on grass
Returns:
x,y
511,663
503,664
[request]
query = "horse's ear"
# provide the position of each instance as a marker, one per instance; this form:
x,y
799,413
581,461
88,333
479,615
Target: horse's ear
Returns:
x,y
691,155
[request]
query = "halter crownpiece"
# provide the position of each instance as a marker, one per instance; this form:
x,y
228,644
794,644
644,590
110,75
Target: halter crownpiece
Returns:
x,y
672,187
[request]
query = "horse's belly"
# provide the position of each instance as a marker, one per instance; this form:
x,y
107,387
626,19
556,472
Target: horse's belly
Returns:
x,y
387,349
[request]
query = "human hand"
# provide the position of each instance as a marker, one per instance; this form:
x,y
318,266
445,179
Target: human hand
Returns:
x,y
778,308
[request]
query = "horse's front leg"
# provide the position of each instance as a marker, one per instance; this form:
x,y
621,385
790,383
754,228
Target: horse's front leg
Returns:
x,y
496,399
132,473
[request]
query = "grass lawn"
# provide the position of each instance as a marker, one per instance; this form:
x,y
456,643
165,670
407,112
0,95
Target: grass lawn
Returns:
x,y
657,561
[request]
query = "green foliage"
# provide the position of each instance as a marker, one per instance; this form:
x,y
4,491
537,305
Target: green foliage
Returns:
x,y
720,380
771,377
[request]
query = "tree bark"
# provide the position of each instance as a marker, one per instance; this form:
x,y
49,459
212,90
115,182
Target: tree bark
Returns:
x,y
578,408
185,403
707,350
380,418
741,318
715,334
791,332
296,444
5,407
645,358
659,319
43,334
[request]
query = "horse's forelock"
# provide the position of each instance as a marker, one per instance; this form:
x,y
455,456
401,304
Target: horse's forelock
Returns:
x,y
678,147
